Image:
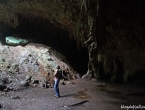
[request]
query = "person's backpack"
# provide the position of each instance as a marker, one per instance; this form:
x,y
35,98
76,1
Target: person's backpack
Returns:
x,y
58,74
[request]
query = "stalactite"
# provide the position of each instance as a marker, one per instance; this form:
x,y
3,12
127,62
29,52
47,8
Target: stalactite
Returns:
x,y
97,7
84,4
91,10
91,21
90,5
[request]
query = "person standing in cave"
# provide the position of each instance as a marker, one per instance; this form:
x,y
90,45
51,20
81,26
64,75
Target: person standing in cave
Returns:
x,y
57,77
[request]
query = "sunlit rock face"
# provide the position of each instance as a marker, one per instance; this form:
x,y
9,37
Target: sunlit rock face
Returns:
x,y
35,60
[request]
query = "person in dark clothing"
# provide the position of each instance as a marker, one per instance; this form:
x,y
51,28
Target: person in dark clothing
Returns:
x,y
57,76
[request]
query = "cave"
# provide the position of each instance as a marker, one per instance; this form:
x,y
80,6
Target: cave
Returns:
x,y
98,44
54,36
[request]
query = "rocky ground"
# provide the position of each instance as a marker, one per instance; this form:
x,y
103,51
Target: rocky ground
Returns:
x,y
79,94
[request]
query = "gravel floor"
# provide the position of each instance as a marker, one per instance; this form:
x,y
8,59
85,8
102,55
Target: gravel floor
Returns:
x,y
80,94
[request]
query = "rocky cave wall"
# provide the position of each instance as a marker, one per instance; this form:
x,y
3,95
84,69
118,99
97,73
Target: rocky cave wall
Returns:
x,y
43,28
123,25
120,34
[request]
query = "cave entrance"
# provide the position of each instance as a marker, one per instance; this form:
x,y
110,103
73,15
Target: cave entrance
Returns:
x,y
42,31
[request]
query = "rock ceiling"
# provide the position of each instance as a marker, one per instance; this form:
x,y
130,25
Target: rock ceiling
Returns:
x,y
54,10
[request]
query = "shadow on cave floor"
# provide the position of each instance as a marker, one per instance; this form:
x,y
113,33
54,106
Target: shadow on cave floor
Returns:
x,y
79,94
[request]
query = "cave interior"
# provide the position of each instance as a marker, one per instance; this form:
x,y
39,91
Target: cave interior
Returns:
x,y
100,43
118,26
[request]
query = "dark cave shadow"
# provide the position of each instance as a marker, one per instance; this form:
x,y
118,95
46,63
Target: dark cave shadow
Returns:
x,y
136,94
76,104
138,77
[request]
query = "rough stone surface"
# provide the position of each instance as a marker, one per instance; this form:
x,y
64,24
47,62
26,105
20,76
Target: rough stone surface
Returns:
x,y
95,96
24,65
